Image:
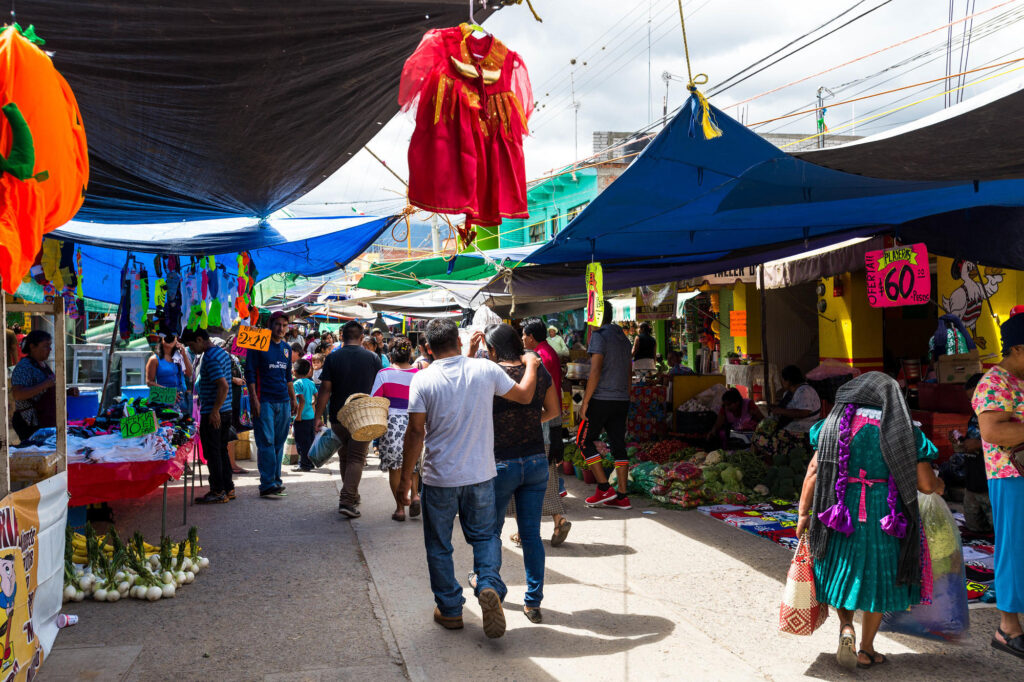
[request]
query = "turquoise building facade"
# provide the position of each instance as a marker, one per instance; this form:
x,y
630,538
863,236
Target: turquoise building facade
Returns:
x,y
552,204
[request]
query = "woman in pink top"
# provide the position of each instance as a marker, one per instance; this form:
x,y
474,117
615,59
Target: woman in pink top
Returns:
x,y
737,413
393,383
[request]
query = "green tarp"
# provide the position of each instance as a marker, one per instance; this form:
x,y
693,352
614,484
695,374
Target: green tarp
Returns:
x,y
406,276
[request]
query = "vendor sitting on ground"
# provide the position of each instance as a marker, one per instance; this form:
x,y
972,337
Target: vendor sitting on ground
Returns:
x,y
800,407
790,419
737,414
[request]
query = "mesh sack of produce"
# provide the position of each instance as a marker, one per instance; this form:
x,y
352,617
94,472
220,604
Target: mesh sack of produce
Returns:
x,y
947,616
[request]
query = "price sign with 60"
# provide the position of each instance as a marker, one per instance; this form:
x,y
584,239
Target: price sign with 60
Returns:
x,y
253,337
898,276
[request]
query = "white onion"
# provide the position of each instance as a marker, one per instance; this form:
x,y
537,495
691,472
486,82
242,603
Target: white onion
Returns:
x,y
123,586
79,595
179,577
100,595
203,562
113,595
69,592
119,576
168,591
154,593
85,583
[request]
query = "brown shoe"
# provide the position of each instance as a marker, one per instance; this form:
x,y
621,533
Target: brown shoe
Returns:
x,y
447,622
493,613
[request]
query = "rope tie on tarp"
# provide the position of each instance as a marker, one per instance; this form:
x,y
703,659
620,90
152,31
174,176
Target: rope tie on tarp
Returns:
x,y
700,113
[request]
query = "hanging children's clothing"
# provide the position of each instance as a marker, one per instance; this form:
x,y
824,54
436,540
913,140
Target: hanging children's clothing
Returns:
x,y
466,153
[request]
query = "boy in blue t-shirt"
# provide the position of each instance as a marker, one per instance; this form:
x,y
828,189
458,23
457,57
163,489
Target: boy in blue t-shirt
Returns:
x,y
305,394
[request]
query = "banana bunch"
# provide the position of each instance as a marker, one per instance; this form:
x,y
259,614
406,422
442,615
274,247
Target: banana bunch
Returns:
x,y
79,553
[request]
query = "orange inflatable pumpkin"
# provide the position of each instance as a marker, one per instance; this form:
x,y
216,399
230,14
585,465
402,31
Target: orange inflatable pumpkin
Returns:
x,y
45,164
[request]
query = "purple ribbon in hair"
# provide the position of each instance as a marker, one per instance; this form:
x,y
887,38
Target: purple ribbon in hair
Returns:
x,y
837,517
894,523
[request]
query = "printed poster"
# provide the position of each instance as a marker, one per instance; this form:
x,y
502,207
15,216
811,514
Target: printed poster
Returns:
x,y
656,302
898,276
595,295
32,525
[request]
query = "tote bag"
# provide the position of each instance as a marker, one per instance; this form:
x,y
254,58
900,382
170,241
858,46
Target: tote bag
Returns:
x,y
800,612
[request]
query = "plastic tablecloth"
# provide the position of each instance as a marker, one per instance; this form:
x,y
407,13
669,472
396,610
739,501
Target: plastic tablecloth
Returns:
x,y
95,483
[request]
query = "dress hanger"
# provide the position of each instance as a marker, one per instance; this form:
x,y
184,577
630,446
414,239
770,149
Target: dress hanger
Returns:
x,y
472,21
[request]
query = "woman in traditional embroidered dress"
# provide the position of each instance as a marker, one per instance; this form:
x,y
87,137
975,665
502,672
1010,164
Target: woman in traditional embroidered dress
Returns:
x,y
869,464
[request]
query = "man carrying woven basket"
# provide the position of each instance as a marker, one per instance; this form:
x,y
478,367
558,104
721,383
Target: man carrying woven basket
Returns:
x,y
350,369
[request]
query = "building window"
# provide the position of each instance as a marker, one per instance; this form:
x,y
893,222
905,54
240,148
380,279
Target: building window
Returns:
x,y
537,231
574,211
554,224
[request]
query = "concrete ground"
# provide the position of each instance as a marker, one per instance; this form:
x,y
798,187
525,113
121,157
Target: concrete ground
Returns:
x,y
294,592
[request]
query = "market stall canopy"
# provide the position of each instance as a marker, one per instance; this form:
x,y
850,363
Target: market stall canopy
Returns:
x,y
305,246
198,109
978,139
438,297
687,199
847,256
413,275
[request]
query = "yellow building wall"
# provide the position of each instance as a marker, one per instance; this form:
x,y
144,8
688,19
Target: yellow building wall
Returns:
x,y
962,288
850,330
747,297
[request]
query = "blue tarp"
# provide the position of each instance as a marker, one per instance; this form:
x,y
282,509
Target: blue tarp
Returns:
x,y
690,200
304,246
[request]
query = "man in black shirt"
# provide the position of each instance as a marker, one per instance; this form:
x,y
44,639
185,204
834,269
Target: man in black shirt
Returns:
x,y
350,369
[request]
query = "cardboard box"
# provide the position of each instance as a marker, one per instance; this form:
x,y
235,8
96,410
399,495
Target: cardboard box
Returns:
x,y
957,369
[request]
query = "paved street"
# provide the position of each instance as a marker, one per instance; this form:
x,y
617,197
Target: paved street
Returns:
x,y
295,592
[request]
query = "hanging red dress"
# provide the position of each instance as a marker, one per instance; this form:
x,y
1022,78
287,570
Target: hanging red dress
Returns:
x,y
466,154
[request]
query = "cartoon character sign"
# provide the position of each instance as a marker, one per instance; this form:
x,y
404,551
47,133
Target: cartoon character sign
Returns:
x,y
967,300
8,588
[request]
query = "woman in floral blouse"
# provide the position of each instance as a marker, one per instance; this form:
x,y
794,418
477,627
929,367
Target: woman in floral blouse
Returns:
x,y
999,403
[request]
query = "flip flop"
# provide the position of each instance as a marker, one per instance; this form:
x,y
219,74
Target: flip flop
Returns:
x,y
561,532
414,509
846,654
1013,646
872,658
398,516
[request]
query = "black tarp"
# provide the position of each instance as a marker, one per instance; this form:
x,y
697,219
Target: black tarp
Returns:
x,y
978,139
198,109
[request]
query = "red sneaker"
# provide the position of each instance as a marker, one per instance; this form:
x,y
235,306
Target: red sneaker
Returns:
x,y
600,496
617,503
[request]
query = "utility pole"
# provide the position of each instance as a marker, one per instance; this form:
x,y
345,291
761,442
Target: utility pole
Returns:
x,y
823,94
435,235
575,119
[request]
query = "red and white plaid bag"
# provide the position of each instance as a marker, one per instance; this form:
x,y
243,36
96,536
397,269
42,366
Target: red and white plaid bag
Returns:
x,y
801,613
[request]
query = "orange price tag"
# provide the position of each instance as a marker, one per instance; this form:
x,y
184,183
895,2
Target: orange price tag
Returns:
x,y
254,338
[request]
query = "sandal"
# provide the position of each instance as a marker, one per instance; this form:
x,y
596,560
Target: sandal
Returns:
x,y
872,658
515,538
533,614
238,471
398,516
414,508
1013,646
561,532
846,654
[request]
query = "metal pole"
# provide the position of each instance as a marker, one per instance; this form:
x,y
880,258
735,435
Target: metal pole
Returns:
x,y
764,336
435,235
113,343
60,339
5,470
163,515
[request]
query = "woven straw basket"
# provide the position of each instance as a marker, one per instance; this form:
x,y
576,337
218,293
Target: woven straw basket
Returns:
x,y
365,417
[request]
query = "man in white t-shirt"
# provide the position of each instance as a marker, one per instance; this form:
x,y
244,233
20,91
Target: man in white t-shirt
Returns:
x,y
450,405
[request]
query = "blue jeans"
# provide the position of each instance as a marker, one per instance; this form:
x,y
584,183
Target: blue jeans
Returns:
x,y
475,506
527,480
271,430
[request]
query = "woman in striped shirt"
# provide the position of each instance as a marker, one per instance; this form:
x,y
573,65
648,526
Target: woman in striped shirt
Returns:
x,y
393,383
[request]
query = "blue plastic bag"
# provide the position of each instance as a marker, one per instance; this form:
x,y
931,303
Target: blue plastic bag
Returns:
x,y
947,617
324,446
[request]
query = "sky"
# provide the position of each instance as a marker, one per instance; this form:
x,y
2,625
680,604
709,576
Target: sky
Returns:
x,y
617,75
